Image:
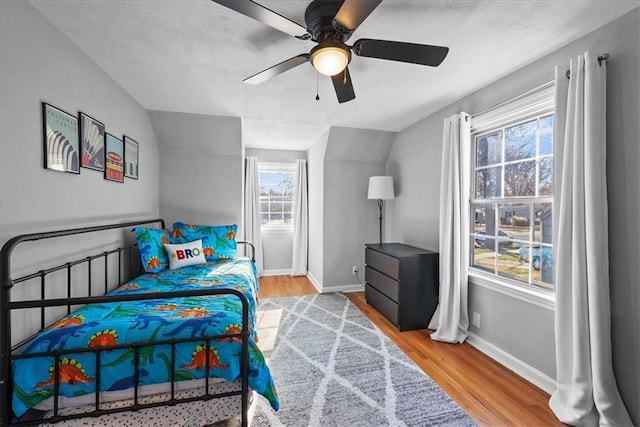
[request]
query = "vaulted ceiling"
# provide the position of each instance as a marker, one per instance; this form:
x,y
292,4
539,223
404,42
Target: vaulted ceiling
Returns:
x,y
192,55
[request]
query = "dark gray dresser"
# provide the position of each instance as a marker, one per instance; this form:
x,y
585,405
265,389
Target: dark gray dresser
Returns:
x,y
401,282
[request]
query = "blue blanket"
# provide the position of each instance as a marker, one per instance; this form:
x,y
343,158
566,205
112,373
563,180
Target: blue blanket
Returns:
x,y
100,325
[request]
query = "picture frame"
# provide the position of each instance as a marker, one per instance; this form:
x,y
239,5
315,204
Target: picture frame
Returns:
x,y
131,154
113,158
92,138
60,140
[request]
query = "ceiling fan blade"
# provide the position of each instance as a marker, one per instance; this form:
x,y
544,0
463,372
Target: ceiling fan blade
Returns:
x,y
414,53
266,16
343,86
353,12
280,68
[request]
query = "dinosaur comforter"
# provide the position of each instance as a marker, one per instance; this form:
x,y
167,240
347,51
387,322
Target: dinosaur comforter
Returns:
x,y
98,325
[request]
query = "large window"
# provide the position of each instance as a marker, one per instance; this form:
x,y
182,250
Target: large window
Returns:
x,y
277,195
512,194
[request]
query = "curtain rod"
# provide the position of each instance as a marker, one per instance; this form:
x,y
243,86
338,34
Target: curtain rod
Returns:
x,y
601,58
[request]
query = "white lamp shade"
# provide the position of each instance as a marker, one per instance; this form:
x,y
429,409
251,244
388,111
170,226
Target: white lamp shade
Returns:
x,y
381,187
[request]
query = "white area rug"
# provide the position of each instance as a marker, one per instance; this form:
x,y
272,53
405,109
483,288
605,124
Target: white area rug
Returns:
x,y
333,367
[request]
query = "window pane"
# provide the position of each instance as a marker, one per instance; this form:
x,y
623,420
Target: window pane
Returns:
x,y
515,223
276,217
520,141
520,179
489,149
545,131
275,207
480,214
509,265
543,229
264,218
483,258
488,183
546,267
545,187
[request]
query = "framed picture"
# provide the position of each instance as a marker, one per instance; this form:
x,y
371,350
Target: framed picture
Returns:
x,y
113,164
60,136
130,158
91,143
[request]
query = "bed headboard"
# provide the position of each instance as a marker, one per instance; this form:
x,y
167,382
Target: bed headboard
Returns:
x,y
126,254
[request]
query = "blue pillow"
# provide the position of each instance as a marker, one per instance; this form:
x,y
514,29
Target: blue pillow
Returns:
x,y
152,254
218,242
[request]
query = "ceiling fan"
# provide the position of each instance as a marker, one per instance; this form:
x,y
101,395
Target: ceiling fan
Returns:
x,y
330,23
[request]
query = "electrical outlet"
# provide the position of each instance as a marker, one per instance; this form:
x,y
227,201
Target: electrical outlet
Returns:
x,y
354,269
476,320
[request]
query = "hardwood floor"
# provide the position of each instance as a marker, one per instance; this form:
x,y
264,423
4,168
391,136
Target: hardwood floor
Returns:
x,y
490,393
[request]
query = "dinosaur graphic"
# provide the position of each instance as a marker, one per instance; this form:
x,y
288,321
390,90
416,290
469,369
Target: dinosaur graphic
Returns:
x,y
198,325
69,371
57,336
128,382
199,359
104,338
232,328
145,353
144,320
194,312
76,320
209,251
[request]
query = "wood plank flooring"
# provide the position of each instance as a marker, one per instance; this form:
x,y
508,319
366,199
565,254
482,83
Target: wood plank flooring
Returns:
x,y
490,393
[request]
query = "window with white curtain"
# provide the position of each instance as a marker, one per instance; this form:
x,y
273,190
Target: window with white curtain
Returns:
x,y
277,195
511,201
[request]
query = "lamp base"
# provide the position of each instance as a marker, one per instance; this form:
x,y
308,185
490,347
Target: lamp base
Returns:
x,y
380,205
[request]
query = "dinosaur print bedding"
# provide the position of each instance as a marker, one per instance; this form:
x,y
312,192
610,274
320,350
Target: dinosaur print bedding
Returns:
x,y
102,325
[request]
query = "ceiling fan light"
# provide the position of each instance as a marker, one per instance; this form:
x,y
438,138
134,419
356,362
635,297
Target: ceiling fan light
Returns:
x,y
330,60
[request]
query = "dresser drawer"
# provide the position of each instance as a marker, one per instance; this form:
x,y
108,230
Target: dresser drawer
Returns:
x,y
382,262
384,284
383,304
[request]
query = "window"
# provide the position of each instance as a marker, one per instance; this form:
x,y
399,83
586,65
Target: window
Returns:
x,y
277,195
512,192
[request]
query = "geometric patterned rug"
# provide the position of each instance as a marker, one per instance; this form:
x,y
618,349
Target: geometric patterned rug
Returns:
x,y
333,367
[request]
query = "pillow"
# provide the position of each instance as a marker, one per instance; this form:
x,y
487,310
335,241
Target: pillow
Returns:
x,y
185,254
152,254
218,242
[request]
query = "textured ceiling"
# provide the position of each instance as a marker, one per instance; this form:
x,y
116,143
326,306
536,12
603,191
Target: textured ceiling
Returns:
x,y
192,55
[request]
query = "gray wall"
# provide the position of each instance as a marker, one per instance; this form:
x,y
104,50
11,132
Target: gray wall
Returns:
x,y
519,328
349,219
38,63
201,167
315,171
277,246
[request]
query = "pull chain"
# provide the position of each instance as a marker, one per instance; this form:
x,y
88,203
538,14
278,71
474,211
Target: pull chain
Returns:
x,y
317,95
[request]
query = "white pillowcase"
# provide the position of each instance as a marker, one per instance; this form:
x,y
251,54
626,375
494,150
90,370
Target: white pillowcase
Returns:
x,y
185,254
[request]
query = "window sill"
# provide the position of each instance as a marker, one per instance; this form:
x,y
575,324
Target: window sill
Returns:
x,y
540,298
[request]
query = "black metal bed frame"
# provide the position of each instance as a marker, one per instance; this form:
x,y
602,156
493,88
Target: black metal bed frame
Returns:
x,y
7,350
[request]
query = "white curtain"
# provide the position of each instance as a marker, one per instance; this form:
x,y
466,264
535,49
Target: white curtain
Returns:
x,y
586,391
451,318
301,222
252,210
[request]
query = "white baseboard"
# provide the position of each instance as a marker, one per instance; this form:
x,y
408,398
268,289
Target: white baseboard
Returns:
x,y
315,282
526,371
281,272
343,288
339,288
